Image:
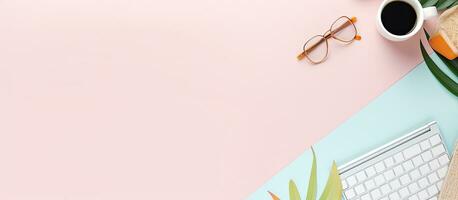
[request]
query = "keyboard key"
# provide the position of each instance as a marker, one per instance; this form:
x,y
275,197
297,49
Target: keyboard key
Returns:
x,y
414,187
344,184
427,155
423,182
408,165
398,170
412,151
435,140
405,179
361,176
423,195
389,175
438,150
385,189
415,174
417,161
379,180
370,171
424,169
434,164
433,177
351,181
376,194
370,184
379,167
389,162
366,197
414,197
359,189
395,184
398,158
442,171
432,190
425,145
394,196
443,160
439,184
350,193
404,192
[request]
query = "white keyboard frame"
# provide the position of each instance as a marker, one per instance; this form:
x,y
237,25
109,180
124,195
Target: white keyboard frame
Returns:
x,y
370,158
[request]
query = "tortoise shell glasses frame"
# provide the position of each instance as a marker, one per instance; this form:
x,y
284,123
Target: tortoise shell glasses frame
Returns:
x,y
342,25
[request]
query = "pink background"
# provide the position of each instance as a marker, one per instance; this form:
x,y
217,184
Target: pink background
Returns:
x,y
203,99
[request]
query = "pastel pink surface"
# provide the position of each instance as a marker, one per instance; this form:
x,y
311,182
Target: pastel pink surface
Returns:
x,y
175,99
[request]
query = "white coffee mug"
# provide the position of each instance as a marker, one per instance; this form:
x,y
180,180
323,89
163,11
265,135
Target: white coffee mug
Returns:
x,y
422,15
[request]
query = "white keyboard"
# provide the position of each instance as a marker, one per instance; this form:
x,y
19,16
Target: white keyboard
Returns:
x,y
411,167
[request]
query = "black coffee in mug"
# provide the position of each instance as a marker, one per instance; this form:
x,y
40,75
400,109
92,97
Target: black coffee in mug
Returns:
x,y
399,17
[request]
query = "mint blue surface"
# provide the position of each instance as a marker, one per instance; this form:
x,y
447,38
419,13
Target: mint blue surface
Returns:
x,y
412,102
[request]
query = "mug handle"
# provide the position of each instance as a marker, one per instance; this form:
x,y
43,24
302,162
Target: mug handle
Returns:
x,y
429,12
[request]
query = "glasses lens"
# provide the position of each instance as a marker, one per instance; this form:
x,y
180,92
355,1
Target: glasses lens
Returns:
x,y
343,29
316,49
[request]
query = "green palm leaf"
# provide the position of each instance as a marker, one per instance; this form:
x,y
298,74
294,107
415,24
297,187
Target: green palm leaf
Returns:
x,y
333,188
293,192
451,64
428,3
446,81
422,2
311,192
443,4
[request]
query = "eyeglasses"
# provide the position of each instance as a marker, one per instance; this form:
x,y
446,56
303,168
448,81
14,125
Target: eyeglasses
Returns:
x,y
316,48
